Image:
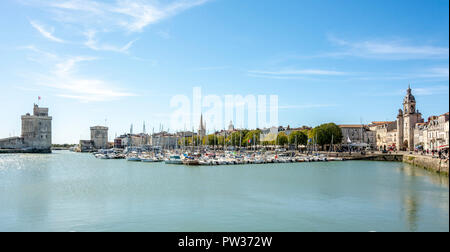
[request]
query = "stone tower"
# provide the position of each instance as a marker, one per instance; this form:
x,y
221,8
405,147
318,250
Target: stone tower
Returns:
x,y
406,122
99,136
37,130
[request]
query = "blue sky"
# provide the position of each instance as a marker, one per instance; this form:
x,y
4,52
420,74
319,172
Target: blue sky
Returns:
x,y
122,61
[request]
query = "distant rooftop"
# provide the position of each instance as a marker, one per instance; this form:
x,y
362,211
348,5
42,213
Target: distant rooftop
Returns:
x,y
382,122
351,126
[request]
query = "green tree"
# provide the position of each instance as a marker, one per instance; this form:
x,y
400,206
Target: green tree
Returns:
x,y
211,140
234,138
252,136
282,139
220,140
326,134
298,137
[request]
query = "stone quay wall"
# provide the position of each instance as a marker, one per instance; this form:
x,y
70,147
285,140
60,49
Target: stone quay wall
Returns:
x,y
25,151
428,162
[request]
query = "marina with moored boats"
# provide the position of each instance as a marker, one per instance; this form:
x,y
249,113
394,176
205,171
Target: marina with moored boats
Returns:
x,y
215,158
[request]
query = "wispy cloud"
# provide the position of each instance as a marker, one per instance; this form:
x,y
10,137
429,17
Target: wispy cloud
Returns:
x,y
39,52
294,73
143,13
93,44
164,34
299,72
417,75
63,79
131,15
211,68
390,49
432,90
48,34
419,91
436,72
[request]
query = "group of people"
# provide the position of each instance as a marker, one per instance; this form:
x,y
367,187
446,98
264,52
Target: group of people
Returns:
x,y
442,154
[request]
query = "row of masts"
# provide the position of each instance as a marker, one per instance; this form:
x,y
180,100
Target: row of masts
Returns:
x,y
197,141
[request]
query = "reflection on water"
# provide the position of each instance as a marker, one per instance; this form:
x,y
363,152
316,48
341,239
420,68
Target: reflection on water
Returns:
x,y
412,197
33,201
76,192
411,207
432,177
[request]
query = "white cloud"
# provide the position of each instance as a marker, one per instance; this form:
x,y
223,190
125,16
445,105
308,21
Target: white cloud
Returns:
x,y
48,34
39,52
67,66
289,74
298,72
63,79
419,75
391,50
164,34
418,91
131,15
211,68
83,89
434,90
143,13
93,44
436,72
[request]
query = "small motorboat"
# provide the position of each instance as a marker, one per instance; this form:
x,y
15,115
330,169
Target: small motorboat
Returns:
x,y
134,159
191,162
176,160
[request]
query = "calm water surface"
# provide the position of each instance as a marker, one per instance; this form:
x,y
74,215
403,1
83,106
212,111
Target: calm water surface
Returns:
x,y
76,192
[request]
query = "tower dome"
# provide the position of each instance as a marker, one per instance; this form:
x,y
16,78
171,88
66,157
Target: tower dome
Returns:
x,y
409,97
409,103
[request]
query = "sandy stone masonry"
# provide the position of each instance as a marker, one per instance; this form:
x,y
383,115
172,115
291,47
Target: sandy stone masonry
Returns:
x,y
36,133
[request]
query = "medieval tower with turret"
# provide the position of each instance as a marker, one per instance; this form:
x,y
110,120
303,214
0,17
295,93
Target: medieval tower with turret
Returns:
x,y
406,122
36,133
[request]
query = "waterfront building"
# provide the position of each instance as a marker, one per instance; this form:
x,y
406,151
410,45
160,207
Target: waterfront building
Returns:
x,y
406,122
289,130
385,134
270,134
118,143
132,140
434,134
358,135
165,140
36,133
410,132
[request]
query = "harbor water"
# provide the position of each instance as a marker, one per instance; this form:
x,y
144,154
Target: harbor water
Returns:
x,y
73,192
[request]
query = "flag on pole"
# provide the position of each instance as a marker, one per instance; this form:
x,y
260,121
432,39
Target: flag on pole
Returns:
x,y
39,98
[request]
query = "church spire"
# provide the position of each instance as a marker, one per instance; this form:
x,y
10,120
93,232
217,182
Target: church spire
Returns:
x,y
202,127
